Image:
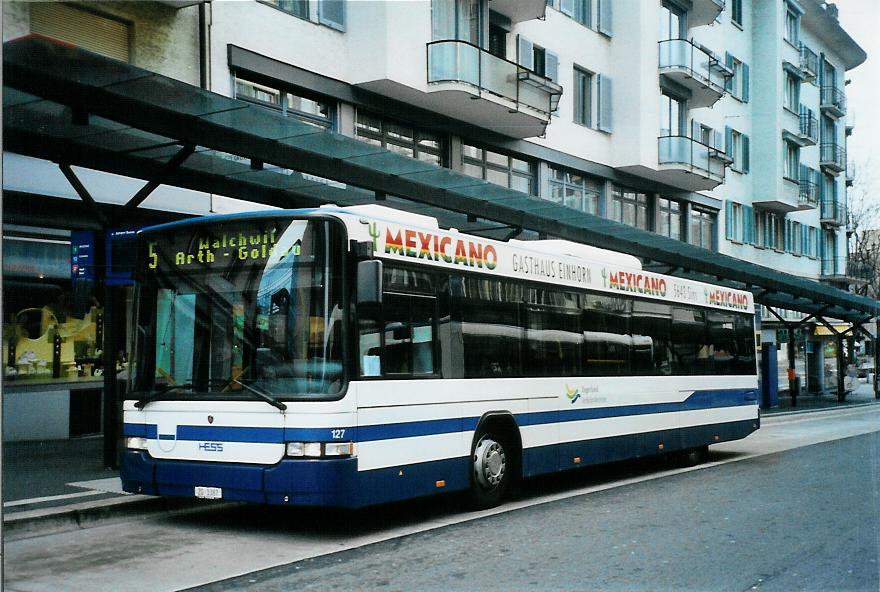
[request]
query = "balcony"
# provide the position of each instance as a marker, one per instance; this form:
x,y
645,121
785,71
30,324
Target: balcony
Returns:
x,y
686,163
833,101
832,213
846,271
519,10
808,134
694,68
850,173
808,196
469,83
704,12
832,157
809,63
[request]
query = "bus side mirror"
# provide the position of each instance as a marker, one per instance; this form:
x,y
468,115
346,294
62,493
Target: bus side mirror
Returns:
x,y
369,282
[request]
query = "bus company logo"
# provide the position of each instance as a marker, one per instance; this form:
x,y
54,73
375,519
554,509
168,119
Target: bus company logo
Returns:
x,y
640,283
576,393
728,299
434,247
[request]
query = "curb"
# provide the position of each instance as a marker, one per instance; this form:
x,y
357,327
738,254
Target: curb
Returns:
x,y
32,523
817,409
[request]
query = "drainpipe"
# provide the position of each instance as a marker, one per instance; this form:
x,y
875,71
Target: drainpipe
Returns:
x,y
205,45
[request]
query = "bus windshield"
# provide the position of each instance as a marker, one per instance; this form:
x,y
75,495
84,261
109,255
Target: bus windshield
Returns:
x,y
239,307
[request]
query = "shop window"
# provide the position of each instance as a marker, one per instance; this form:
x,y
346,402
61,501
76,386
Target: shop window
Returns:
x,y
501,169
397,137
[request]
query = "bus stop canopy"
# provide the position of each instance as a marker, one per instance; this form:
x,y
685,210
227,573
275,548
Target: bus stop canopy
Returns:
x,y
74,107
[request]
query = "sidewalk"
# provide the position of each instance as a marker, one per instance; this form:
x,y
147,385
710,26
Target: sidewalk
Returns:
x,y
862,395
63,485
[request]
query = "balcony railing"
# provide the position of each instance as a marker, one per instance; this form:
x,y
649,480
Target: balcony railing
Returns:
x,y
843,268
809,127
694,68
832,156
808,197
462,62
832,213
809,62
694,156
833,100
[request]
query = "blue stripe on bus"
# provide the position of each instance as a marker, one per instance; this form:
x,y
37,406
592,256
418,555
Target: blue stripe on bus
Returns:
x,y
699,400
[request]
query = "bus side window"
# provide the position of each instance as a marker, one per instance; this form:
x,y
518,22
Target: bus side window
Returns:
x,y
408,335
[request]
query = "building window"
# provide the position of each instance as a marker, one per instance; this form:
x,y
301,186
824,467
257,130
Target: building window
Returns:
x,y
298,8
791,164
737,149
672,116
669,218
738,84
398,138
702,229
770,237
792,94
629,207
583,97
736,12
734,222
309,110
673,22
792,25
457,19
497,168
574,190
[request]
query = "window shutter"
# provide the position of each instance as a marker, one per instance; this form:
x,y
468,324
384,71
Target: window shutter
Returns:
x,y
551,66
332,14
717,140
605,105
745,83
728,142
605,16
748,225
567,7
728,220
525,49
728,82
82,28
821,71
804,173
696,130
745,150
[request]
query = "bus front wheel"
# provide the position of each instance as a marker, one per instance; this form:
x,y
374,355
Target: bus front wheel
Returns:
x,y
491,471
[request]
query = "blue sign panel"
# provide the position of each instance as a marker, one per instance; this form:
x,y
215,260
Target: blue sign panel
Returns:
x,y
82,255
121,252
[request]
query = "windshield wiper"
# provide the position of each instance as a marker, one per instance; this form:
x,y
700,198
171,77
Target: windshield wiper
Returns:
x,y
263,395
157,394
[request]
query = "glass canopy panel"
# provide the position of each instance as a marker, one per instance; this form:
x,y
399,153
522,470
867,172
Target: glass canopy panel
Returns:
x,y
216,163
332,145
261,122
443,179
55,120
13,97
126,140
392,163
173,95
61,62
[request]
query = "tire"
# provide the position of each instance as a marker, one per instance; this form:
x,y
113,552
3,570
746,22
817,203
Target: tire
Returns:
x,y
693,456
492,461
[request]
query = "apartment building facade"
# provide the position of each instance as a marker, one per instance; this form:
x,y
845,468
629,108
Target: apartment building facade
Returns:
x,y
720,124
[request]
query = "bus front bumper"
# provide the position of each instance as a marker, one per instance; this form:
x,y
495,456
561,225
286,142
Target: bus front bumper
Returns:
x,y
299,482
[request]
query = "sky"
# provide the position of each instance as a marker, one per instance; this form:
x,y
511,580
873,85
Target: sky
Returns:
x,y
861,19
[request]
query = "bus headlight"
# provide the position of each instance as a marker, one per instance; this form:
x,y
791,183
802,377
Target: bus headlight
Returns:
x,y
136,443
318,450
338,449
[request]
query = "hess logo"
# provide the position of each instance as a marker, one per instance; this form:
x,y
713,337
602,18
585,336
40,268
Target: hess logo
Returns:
x,y
211,446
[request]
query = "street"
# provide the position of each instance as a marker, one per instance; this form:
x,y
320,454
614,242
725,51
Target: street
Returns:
x,y
794,506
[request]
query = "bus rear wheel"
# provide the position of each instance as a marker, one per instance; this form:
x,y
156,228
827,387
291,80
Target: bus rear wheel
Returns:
x,y
693,456
491,471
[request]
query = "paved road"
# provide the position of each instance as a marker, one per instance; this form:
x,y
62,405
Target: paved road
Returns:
x,y
767,513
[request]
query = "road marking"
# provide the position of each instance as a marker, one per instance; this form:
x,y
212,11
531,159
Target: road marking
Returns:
x,y
50,498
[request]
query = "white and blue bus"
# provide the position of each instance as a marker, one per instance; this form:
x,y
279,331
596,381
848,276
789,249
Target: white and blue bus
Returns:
x,y
354,356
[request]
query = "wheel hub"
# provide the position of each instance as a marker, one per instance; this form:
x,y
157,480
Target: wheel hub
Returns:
x,y
490,463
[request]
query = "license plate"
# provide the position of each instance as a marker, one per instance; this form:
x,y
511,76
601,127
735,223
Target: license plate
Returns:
x,y
209,492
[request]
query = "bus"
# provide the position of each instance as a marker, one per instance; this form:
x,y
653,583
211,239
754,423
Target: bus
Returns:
x,y
351,356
